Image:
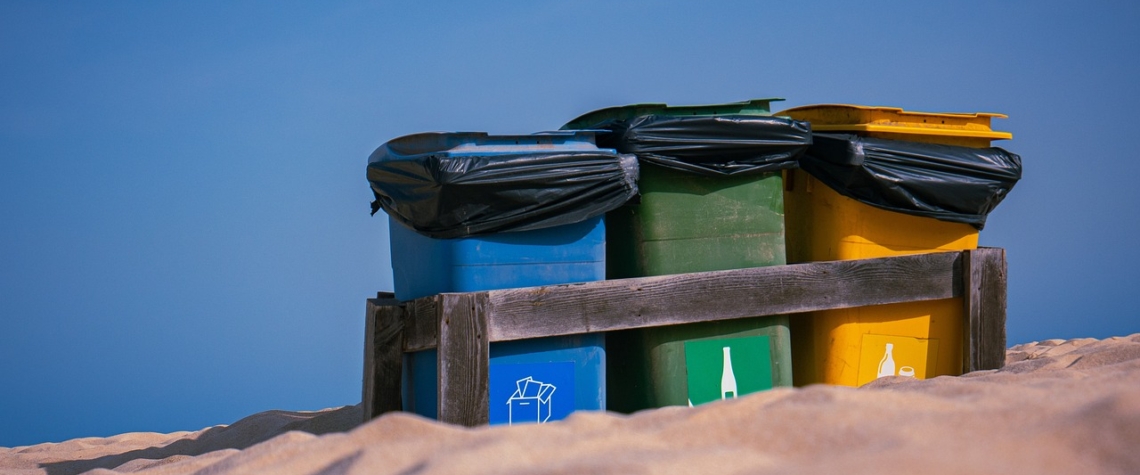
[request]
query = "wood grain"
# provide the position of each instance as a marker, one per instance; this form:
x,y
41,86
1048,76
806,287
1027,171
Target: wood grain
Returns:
x,y
708,296
368,385
422,324
464,360
384,363
463,325
984,275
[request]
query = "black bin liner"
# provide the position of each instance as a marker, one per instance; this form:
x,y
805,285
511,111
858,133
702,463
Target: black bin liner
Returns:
x,y
950,183
710,145
443,196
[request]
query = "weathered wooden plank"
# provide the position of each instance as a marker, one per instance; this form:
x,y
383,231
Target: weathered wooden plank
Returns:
x,y
422,324
984,282
463,325
995,306
464,359
389,358
368,383
666,300
383,358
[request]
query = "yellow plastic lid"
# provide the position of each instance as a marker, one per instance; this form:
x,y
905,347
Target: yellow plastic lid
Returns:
x,y
853,118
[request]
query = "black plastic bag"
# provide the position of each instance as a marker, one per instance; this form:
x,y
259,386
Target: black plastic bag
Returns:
x,y
711,145
957,184
444,195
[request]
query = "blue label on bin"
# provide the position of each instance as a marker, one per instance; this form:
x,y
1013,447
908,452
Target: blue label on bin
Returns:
x,y
531,393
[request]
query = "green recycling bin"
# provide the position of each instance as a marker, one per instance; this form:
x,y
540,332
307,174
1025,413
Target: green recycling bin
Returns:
x,y
684,223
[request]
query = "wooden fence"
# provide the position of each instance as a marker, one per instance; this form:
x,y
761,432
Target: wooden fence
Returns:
x,y
463,325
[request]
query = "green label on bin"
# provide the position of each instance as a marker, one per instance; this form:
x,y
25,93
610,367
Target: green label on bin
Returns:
x,y
727,368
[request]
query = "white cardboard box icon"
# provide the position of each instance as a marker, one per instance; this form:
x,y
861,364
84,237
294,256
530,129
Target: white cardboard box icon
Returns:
x,y
530,402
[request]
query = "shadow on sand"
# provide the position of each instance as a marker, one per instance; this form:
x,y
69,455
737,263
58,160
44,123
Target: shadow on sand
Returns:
x,y
239,435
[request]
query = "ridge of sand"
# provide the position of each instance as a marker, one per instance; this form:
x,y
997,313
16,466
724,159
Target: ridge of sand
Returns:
x,y
1057,407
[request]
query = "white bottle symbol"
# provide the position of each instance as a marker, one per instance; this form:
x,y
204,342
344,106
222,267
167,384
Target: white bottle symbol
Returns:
x,y
887,365
727,378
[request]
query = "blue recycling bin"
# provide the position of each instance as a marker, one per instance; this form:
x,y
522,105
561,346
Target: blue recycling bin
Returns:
x,y
425,266
531,381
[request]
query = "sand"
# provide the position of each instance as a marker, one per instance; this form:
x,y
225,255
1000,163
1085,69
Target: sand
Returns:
x,y
1057,407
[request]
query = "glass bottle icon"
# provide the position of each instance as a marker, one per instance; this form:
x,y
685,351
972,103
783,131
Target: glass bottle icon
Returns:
x,y
887,364
727,378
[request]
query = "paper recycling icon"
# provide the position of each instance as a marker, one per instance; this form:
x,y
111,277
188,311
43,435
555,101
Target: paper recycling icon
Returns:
x,y
531,401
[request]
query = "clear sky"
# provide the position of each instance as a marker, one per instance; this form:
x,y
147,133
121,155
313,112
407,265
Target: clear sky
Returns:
x,y
184,227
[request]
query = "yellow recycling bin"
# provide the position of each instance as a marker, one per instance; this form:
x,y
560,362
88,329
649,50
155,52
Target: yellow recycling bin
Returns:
x,y
852,347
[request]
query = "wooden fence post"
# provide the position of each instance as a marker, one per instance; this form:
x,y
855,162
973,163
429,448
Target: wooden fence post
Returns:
x,y
984,289
383,357
460,326
464,359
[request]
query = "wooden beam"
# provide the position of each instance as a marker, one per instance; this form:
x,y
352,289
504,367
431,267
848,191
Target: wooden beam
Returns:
x,y
383,357
609,305
421,325
464,359
463,325
984,281
368,385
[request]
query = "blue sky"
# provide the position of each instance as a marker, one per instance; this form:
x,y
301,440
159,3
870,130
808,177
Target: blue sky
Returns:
x,y
184,227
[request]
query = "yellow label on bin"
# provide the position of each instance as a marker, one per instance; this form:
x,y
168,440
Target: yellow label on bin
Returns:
x,y
889,355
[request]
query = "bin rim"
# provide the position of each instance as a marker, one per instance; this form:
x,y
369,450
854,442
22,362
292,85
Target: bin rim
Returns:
x,y
917,126
630,111
898,110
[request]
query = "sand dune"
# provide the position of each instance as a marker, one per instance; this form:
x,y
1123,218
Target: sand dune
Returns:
x,y
1057,407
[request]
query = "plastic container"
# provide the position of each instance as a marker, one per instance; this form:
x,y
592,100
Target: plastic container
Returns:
x,y
852,347
691,223
425,266
572,367
565,373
